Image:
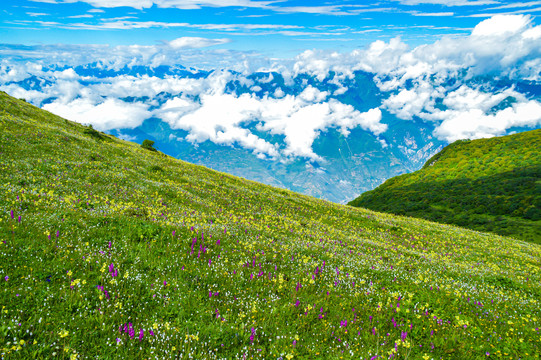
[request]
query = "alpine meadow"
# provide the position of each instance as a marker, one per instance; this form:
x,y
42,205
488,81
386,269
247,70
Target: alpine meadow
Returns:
x,y
270,179
110,250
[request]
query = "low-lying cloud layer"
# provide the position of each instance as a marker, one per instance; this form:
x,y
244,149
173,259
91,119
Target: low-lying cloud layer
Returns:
x,y
449,83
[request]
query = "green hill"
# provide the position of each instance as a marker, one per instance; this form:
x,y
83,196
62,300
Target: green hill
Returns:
x,y
487,185
112,251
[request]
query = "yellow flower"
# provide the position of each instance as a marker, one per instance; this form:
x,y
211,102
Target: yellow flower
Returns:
x,y
73,356
174,348
69,273
426,357
63,333
21,342
289,356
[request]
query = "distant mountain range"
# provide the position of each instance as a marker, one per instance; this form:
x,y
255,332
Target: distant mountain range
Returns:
x,y
346,160
488,185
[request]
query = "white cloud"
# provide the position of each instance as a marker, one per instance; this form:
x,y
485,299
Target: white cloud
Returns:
x,y
220,117
312,94
501,25
195,42
417,13
179,4
107,115
475,124
449,2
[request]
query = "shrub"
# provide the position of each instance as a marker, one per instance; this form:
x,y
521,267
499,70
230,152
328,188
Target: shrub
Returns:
x,y
148,144
89,130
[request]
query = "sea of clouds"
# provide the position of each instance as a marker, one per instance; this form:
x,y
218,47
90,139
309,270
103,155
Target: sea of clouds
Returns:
x,y
449,83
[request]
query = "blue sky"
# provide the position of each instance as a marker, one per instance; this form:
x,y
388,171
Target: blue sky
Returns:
x,y
279,29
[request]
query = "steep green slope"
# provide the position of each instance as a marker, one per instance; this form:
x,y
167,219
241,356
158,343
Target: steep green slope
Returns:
x,y
108,250
487,185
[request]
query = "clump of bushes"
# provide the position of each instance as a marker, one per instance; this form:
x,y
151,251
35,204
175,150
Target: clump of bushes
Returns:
x,y
89,130
148,144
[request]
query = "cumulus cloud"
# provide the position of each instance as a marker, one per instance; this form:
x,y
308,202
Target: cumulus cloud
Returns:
x,y
504,45
475,124
219,117
107,115
507,45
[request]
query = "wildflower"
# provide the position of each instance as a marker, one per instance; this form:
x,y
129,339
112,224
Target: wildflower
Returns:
x,y
70,273
141,334
63,333
6,278
403,335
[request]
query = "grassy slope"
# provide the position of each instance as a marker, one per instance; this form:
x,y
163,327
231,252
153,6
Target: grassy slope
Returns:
x,y
486,185
219,267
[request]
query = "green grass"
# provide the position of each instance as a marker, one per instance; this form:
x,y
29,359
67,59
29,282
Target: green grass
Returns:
x,y
96,235
487,185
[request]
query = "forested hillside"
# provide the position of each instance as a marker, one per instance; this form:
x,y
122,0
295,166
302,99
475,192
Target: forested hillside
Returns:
x,y
488,185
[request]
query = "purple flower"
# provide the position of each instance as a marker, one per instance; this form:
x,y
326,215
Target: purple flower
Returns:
x,y
141,334
151,332
19,219
6,278
12,215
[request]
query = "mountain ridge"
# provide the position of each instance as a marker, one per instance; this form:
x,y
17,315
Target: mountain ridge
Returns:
x,y
486,184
